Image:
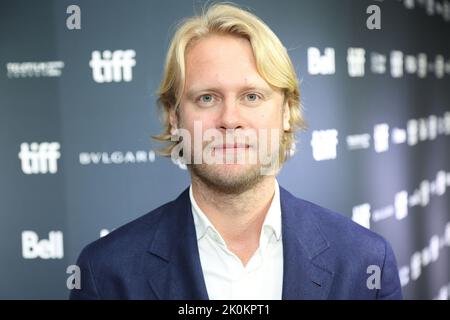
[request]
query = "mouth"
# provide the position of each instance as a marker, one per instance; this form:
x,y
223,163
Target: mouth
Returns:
x,y
232,147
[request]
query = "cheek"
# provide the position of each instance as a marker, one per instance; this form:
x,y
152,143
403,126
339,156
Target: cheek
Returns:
x,y
272,119
191,118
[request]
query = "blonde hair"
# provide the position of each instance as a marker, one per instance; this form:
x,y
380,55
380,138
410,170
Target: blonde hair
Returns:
x,y
272,62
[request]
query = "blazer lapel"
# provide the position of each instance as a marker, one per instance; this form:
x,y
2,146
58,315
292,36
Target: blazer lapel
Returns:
x,y
175,271
305,274
173,264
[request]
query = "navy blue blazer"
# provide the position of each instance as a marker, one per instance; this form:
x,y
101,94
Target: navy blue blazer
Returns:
x,y
326,256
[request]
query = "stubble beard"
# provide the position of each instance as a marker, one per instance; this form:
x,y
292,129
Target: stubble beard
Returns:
x,y
233,181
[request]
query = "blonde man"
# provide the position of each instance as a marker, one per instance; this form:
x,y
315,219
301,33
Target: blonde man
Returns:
x,y
231,107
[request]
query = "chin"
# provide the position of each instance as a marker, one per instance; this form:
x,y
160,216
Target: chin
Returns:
x,y
228,178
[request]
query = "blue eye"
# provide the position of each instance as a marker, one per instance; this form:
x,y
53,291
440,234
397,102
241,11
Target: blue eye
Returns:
x,y
252,97
206,98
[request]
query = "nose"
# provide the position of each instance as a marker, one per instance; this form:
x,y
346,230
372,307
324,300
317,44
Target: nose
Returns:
x,y
230,117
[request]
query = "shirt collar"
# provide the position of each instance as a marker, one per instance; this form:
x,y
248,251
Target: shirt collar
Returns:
x,y
272,221
273,217
201,221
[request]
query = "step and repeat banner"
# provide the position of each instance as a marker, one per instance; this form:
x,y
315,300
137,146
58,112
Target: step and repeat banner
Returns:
x,y
77,110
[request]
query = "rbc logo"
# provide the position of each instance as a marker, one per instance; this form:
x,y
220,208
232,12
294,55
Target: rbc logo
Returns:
x,y
324,143
39,157
112,66
51,248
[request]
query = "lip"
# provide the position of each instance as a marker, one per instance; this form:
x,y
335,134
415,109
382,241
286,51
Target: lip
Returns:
x,y
232,146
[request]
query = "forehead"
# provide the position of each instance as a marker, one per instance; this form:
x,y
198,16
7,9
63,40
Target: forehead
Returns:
x,y
225,60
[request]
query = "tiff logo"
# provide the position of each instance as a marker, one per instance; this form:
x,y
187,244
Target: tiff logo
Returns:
x,y
39,158
51,248
112,66
356,59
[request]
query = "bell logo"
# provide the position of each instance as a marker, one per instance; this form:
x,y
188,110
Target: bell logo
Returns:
x,y
51,248
319,64
114,66
39,157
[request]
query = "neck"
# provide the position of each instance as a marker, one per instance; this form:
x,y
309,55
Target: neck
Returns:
x,y
237,217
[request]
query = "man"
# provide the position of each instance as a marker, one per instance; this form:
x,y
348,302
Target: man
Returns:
x,y
235,234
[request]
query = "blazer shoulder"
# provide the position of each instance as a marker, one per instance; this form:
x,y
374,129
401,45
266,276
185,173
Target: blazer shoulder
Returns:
x,y
340,226
340,231
353,252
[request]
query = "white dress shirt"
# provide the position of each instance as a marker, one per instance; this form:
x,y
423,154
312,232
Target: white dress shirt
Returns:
x,y
225,276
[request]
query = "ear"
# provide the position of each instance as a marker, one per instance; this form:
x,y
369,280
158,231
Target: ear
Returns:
x,y
173,120
286,117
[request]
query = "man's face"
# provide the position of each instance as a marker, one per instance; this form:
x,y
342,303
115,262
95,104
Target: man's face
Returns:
x,y
225,93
